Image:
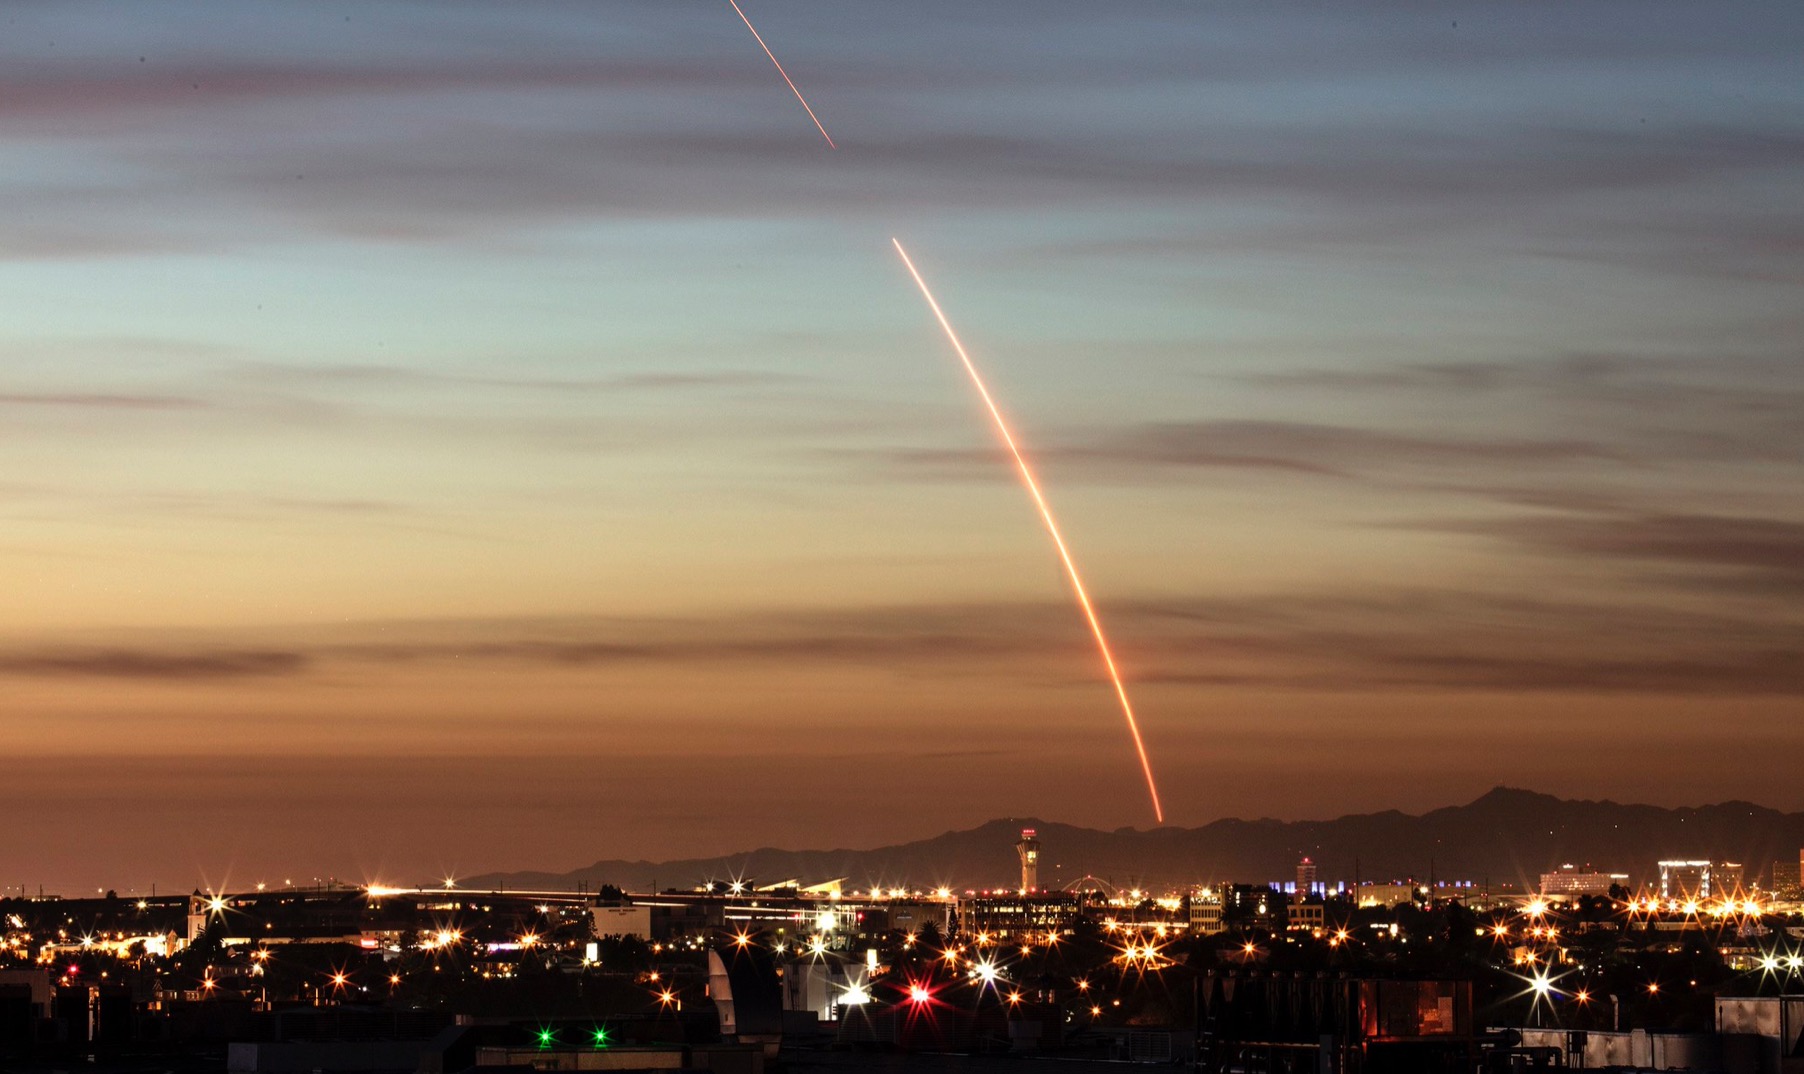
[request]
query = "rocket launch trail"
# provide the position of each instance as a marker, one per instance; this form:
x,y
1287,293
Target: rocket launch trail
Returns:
x,y
1052,527
785,74
1026,471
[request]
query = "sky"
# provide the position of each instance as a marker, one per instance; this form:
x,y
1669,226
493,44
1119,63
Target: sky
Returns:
x,y
443,437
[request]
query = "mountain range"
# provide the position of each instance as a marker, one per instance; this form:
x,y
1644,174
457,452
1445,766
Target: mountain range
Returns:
x,y
1506,836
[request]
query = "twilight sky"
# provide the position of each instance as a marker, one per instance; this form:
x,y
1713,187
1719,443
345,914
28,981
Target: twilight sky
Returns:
x,y
449,436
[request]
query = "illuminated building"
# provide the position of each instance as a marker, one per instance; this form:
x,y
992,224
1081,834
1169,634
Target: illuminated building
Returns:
x,y
1206,913
1306,916
1369,895
629,920
1029,850
1012,915
1306,878
1787,876
1468,893
1698,879
1567,882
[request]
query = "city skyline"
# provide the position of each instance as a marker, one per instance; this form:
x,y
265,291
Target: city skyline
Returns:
x,y
488,435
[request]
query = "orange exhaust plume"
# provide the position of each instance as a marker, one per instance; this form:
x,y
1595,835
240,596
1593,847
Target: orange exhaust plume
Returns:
x,y
1052,527
785,74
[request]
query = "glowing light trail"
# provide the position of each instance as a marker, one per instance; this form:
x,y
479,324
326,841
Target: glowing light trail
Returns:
x,y
1052,527
785,74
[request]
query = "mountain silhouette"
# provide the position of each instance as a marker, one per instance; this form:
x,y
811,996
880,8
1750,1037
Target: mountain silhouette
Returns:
x,y
1506,836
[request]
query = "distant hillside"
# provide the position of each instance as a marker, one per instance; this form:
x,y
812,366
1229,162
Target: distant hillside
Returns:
x,y
1506,836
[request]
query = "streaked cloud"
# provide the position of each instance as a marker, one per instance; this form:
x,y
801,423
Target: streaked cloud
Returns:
x,y
160,664
1758,551
1348,641
86,400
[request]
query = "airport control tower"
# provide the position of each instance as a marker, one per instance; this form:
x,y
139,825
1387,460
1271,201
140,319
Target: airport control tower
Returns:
x,y
1029,849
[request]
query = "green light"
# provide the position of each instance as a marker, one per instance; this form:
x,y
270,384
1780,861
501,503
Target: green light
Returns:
x,y
601,1038
545,1038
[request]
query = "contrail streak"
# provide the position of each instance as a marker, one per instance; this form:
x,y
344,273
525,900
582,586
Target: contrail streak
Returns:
x,y
785,74
1052,527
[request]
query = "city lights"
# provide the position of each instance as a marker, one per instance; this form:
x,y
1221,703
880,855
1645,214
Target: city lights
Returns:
x,y
476,464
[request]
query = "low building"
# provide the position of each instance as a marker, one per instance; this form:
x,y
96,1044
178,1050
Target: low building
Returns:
x,y
1569,882
1311,917
622,920
1379,895
1015,916
1206,914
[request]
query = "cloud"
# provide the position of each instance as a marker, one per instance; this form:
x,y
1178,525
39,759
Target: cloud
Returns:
x,y
1752,386
429,130
1762,550
1299,448
1372,642
1772,673
160,664
1475,641
406,376
101,401
1671,413
52,98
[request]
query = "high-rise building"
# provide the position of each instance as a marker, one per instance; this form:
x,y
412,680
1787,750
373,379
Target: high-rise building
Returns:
x,y
1306,878
1029,850
1699,879
1684,879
